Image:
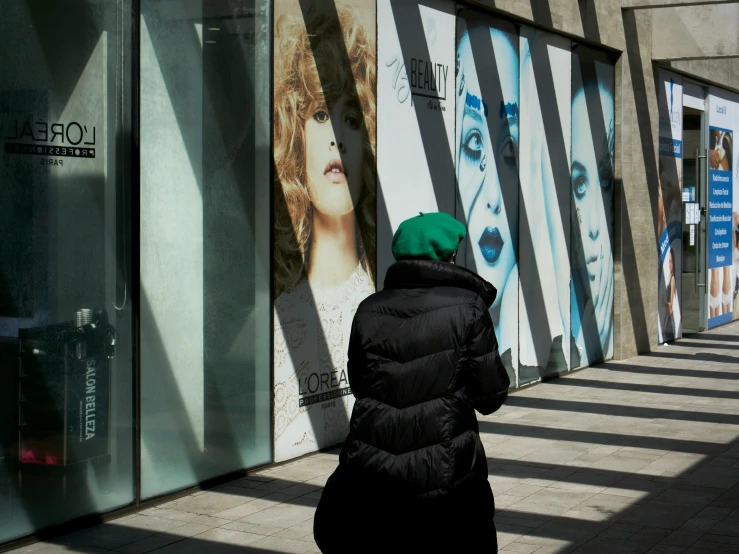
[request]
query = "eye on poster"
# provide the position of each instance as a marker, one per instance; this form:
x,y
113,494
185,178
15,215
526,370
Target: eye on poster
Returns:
x,y
669,207
325,73
486,148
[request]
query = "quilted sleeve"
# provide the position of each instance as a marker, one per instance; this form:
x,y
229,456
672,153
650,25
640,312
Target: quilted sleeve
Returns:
x,y
355,359
487,382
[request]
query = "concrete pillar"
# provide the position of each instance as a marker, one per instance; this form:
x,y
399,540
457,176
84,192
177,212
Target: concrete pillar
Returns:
x,y
636,191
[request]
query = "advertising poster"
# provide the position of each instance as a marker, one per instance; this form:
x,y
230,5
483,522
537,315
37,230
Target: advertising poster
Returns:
x,y
325,73
545,204
486,147
735,213
721,219
592,176
415,95
669,199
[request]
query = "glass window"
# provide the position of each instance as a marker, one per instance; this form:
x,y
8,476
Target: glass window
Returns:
x,y
65,306
205,241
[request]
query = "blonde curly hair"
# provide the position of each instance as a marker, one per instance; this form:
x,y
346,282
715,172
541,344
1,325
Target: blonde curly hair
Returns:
x,y
297,86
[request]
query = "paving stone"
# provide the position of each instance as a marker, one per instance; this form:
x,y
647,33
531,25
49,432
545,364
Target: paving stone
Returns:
x,y
277,544
665,515
564,480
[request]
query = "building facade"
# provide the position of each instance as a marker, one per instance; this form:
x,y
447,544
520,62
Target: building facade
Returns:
x,y
196,196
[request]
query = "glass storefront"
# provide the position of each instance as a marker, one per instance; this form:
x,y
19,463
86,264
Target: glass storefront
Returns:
x,y
205,250
73,247
66,390
169,313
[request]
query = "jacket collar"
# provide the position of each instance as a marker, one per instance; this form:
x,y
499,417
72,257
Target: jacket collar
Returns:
x,y
408,274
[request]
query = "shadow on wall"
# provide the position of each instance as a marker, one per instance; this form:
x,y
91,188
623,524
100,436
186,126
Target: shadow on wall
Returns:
x,y
224,441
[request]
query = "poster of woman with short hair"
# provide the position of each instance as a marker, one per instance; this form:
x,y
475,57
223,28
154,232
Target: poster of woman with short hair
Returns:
x,y
325,73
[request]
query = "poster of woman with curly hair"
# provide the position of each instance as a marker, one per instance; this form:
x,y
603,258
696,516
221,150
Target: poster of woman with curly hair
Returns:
x,y
325,211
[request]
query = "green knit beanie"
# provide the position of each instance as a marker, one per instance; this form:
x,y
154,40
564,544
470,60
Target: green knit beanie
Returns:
x,y
433,236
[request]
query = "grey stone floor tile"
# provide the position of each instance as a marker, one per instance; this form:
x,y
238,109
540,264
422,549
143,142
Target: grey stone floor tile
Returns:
x,y
212,503
602,507
684,539
248,508
105,536
664,515
277,544
160,540
214,541
524,490
149,523
295,534
502,501
520,548
718,477
281,516
690,494
564,479
244,527
550,502
190,517
149,544
663,549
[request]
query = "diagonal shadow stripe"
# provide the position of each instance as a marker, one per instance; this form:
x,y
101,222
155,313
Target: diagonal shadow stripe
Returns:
x,y
622,410
589,20
708,338
672,372
642,102
599,437
698,356
652,389
702,344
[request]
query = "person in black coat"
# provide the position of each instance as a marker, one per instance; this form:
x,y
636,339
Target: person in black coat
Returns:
x,y
412,474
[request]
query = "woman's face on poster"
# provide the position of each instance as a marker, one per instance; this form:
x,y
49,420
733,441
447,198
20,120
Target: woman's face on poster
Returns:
x,y
487,149
334,155
592,190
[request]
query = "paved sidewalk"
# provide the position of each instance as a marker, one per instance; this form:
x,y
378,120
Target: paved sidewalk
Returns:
x,y
629,457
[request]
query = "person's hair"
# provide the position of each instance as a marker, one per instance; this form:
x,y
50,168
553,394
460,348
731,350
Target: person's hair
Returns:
x,y
297,86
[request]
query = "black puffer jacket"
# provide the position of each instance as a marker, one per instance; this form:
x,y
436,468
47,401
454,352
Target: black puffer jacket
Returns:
x,y
422,358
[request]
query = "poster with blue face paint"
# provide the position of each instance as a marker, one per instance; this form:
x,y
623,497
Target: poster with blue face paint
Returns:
x,y
487,136
669,207
544,204
592,177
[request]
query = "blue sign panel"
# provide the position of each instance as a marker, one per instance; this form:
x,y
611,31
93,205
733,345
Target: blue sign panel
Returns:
x,y
720,227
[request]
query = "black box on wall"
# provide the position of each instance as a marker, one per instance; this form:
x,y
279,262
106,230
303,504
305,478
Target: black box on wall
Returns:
x,y
64,391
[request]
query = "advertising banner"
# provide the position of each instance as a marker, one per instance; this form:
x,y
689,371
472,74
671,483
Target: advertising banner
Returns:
x,y
544,204
487,137
325,211
592,175
415,94
669,206
721,221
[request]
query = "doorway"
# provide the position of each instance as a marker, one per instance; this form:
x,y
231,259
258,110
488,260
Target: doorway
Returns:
x,y
694,192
